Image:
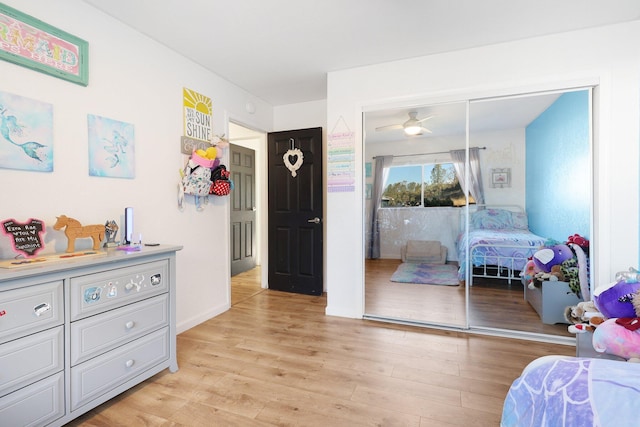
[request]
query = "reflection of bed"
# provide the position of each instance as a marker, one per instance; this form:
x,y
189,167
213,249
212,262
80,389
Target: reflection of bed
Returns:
x,y
499,244
574,392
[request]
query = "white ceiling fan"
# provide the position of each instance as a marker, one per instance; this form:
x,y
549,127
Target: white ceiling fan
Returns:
x,y
413,126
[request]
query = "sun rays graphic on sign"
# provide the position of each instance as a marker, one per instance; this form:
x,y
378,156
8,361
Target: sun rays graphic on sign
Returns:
x,y
198,115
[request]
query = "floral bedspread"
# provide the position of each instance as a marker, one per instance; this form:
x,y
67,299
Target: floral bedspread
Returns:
x,y
560,391
503,256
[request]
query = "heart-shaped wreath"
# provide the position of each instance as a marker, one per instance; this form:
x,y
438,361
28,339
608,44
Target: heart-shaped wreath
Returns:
x,y
293,159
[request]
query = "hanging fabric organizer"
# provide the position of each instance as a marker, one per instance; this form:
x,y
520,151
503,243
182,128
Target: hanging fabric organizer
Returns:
x,y
293,158
202,177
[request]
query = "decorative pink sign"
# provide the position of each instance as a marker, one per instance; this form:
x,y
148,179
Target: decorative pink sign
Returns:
x,y
25,237
30,42
38,45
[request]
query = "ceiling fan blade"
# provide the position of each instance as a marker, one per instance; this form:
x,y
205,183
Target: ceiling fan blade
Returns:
x,y
389,127
425,119
426,130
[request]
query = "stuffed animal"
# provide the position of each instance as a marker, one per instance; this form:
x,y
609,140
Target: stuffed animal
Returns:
x,y
618,337
583,317
630,276
583,311
579,240
531,274
616,299
542,276
529,271
576,272
636,302
556,271
548,256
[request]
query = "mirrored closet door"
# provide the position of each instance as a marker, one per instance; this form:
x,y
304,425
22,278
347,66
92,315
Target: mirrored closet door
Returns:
x,y
417,266
537,174
412,213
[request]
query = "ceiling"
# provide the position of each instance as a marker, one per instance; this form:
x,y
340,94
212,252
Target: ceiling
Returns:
x,y
450,119
282,50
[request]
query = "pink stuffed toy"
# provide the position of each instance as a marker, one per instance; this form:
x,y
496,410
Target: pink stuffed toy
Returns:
x,y
613,338
529,271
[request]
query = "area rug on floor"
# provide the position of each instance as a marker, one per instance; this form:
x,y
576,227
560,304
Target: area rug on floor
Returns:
x,y
428,274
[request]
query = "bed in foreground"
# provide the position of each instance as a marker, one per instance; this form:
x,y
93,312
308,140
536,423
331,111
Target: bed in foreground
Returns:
x,y
574,392
499,243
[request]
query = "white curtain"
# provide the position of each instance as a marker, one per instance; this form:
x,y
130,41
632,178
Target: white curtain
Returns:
x,y
379,178
475,175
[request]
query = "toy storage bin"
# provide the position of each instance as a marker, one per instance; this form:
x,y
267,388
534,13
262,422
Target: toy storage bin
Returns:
x,y
550,299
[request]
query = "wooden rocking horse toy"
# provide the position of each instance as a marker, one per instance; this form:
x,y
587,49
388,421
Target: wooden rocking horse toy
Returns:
x,y
75,230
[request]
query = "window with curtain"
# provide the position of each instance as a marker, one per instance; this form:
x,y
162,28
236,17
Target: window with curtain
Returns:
x,y
422,185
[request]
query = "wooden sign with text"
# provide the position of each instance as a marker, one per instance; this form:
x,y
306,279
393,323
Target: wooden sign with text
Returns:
x,y
26,237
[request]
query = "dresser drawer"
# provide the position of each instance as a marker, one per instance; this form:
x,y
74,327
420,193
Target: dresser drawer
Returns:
x,y
99,292
30,309
36,405
103,332
31,358
101,374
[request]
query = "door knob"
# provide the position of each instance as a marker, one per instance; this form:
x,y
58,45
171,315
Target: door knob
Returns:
x,y
315,220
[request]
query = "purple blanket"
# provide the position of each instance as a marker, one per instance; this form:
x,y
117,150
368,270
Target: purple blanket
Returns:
x,y
517,246
559,391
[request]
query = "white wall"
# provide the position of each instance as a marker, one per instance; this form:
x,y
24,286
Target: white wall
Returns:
x,y
505,149
303,115
135,80
607,57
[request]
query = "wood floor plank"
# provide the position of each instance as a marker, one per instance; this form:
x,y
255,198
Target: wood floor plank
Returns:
x,y
310,412
200,414
275,359
454,382
493,303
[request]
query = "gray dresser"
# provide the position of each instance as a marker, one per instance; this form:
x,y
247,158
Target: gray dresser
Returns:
x,y
76,332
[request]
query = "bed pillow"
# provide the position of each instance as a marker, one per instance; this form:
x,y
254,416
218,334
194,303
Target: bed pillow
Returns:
x,y
520,220
491,219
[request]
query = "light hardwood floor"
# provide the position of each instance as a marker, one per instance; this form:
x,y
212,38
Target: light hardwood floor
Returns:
x,y
493,303
275,359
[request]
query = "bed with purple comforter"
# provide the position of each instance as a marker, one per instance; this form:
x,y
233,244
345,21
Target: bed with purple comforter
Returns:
x,y
497,237
561,391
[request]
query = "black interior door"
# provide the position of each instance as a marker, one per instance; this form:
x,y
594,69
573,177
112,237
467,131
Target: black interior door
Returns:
x,y
295,211
243,209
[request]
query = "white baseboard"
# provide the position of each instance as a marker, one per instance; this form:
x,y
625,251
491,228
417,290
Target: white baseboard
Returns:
x,y
202,317
330,311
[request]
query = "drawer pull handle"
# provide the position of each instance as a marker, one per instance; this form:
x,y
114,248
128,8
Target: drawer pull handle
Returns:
x,y
41,308
129,363
129,324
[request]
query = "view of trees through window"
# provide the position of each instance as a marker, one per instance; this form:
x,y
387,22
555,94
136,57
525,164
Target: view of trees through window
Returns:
x,y
422,185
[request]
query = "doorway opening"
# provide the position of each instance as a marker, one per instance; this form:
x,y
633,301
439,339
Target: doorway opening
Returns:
x,y
247,211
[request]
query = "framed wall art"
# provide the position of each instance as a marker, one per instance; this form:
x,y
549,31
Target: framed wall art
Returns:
x,y
27,41
501,177
111,147
26,133
198,115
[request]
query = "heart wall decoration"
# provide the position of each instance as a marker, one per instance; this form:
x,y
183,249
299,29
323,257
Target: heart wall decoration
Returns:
x,y
293,159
